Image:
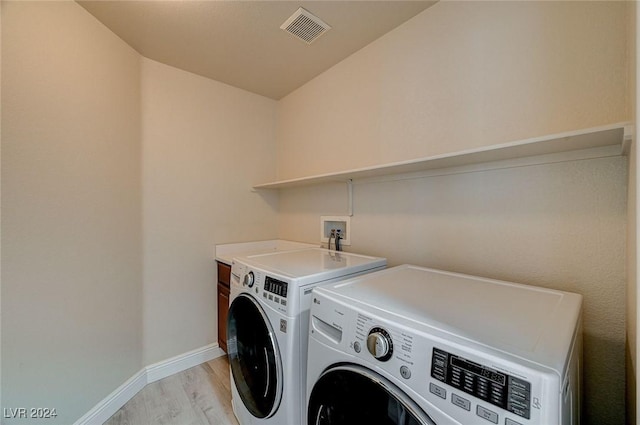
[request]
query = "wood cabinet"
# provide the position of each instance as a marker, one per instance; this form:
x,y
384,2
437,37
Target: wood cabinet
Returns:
x,y
224,280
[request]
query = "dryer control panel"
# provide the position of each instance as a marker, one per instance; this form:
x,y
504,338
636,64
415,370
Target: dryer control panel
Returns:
x,y
492,386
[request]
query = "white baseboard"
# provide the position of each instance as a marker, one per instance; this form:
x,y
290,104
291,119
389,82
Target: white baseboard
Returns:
x,y
102,411
114,401
182,362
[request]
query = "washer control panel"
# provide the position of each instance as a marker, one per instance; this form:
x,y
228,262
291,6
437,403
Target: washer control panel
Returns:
x,y
274,292
276,287
498,388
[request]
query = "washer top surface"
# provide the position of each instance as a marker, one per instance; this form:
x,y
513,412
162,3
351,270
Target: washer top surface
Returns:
x,y
314,264
533,322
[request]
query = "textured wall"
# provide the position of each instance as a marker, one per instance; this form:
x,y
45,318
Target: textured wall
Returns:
x,y
467,74
632,239
1,210
71,217
559,225
457,76
79,110
205,144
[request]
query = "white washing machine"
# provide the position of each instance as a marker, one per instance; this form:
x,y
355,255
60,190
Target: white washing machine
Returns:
x,y
416,346
268,328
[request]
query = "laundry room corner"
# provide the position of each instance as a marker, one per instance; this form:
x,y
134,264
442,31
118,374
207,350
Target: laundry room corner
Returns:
x,y
201,157
166,166
561,224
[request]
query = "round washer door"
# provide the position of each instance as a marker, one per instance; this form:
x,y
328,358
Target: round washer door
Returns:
x,y
254,357
351,394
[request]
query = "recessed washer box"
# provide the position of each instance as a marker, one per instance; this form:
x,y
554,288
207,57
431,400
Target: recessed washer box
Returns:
x,y
330,222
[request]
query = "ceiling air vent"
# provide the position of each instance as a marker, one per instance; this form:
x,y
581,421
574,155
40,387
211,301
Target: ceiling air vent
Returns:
x,y
305,26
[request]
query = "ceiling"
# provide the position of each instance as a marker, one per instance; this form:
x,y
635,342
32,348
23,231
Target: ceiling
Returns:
x,y
240,43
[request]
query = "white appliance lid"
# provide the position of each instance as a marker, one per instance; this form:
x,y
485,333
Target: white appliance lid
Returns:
x,y
315,263
533,321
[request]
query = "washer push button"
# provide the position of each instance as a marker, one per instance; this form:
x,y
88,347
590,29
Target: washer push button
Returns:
x,y
483,388
438,390
463,403
487,414
469,383
518,397
439,365
405,372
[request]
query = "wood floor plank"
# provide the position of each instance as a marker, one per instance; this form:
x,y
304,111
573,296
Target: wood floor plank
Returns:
x,y
220,369
207,396
168,404
132,413
197,396
220,374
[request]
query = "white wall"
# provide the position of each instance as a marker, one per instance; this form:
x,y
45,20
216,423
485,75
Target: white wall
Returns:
x,y
119,176
632,240
462,75
557,225
71,217
1,405
205,144
77,105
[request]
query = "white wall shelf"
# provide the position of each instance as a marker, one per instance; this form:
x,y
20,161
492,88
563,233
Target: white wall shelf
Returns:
x,y
604,141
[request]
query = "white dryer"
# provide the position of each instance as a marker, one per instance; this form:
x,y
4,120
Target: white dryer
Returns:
x,y
416,346
268,327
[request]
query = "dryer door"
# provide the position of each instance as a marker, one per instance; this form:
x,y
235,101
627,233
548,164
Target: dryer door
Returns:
x,y
351,394
254,357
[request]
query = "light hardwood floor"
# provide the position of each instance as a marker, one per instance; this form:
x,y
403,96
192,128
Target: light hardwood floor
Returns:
x,y
198,396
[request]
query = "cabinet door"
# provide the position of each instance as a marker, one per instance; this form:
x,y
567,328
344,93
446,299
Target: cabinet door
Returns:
x,y
224,279
224,274
223,310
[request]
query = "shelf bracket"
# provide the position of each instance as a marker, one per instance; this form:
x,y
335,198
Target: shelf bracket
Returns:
x,y
350,196
627,138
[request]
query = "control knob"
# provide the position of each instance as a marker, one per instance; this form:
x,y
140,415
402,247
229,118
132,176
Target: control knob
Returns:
x,y
248,280
380,344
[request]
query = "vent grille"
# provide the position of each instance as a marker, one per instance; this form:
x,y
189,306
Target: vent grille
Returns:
x,y
305,26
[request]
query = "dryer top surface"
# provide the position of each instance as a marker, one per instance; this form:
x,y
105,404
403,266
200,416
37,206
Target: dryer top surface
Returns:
x,y
522,319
